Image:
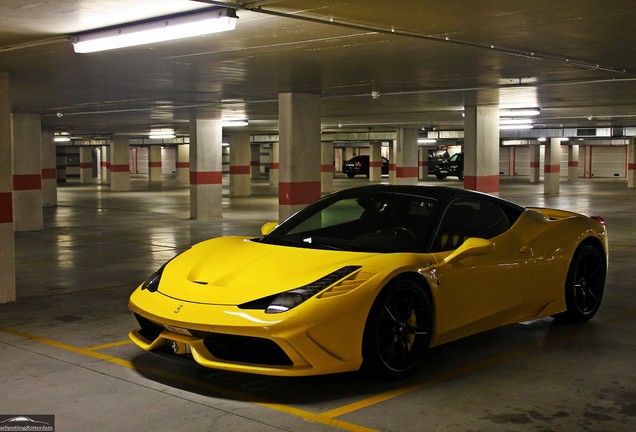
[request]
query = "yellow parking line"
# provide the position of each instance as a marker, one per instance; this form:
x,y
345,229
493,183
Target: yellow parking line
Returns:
x,y
90,352
109,345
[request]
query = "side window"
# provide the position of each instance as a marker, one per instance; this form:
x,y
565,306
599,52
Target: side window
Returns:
x,y
467,218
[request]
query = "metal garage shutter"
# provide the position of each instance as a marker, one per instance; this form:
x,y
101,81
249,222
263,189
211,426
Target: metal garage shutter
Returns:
x,y
609,161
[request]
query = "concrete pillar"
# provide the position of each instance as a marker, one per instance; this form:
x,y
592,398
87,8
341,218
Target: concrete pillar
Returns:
x,y
274,164
49,168
241,164
7,245
105,165
155,173
255,161
86,164
535,164
631,163
552,166
206,168
405,156
27,173
299,130
119,164
392,151
375,161
183,163
423,163
481,148
326,167
573,162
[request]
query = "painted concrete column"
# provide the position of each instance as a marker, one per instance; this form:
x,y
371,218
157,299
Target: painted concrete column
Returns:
x,y
274,164
86,164
299,125
405,156
375,161
535,164
552,167
27,173
573,162
481,148
155,173
105,165
240,164
326,167
255,161
49,168
631,163
7,244
423,163
119,165
183,163
206,168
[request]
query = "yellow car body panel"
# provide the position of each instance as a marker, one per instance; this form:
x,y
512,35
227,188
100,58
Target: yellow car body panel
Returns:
x,y
516,276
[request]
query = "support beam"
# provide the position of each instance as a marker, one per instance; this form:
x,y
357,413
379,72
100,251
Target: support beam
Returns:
x,y
27,173
552,167
481,148
631,163
49,168
7,244
206,168
240,164
405,156
119,165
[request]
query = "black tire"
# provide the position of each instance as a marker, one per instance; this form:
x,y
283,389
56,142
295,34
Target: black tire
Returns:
x,y
440,176
350,175
398,330
585,284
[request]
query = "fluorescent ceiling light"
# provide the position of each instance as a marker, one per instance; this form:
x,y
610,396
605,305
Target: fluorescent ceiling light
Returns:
x,y
61,139
235,123
426,140
162,134
162,29
514,121
521,112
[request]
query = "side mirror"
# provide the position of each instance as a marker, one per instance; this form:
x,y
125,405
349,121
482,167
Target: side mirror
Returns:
x,y
268,227
472,247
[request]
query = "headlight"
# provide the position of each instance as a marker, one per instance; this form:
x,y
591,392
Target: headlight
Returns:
x,y
292,298
152,283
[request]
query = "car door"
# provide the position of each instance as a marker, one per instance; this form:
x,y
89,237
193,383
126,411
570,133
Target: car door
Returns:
x,y
481,292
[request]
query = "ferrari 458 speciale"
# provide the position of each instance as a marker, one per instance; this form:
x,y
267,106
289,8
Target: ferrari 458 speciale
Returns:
x,y
371,277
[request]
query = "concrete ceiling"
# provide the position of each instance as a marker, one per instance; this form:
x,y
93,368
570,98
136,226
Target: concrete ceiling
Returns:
x,y
575,60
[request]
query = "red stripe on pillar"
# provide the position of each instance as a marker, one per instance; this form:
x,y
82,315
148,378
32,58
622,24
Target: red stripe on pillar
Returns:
x,y
573,164
23,182
86,165
183,164
120,168
326,168
631,166
535,164
104,164
488,184
423,163
154,164
296,193
240,169
375,164
49,174
274,165
392,167
206,177
406,172
6,207
552,169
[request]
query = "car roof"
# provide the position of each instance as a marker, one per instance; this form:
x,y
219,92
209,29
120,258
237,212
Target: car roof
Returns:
x,y
442,194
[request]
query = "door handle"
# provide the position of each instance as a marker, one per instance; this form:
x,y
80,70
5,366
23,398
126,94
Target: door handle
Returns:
x,y
525,250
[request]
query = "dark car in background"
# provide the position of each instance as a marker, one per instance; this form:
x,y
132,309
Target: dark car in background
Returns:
x,y
453,166
360,165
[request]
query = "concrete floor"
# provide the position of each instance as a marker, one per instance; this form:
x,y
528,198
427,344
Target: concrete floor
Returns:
x,y
64,349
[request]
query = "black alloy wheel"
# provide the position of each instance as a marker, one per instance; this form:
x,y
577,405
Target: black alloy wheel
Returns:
x,y
398,330
585,284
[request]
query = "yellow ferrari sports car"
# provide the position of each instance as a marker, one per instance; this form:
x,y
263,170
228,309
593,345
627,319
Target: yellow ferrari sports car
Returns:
x,y
370,277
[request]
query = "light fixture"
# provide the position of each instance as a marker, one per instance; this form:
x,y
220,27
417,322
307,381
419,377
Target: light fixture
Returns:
x,y
426,140
515,124
520,112
61,137
235,123
161,134
158,30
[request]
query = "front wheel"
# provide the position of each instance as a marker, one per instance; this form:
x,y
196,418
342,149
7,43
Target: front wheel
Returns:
x,y
585,284
398,330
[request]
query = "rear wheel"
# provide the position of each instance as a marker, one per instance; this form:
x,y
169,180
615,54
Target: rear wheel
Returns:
x,y
585,284
398,330
440,176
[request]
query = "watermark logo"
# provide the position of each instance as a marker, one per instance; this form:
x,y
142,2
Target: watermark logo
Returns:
x,y
15,423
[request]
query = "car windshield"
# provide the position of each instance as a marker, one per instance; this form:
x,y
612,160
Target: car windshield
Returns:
x,y
367,222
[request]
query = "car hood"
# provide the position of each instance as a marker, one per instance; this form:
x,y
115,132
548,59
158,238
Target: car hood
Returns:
x,y
235,270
